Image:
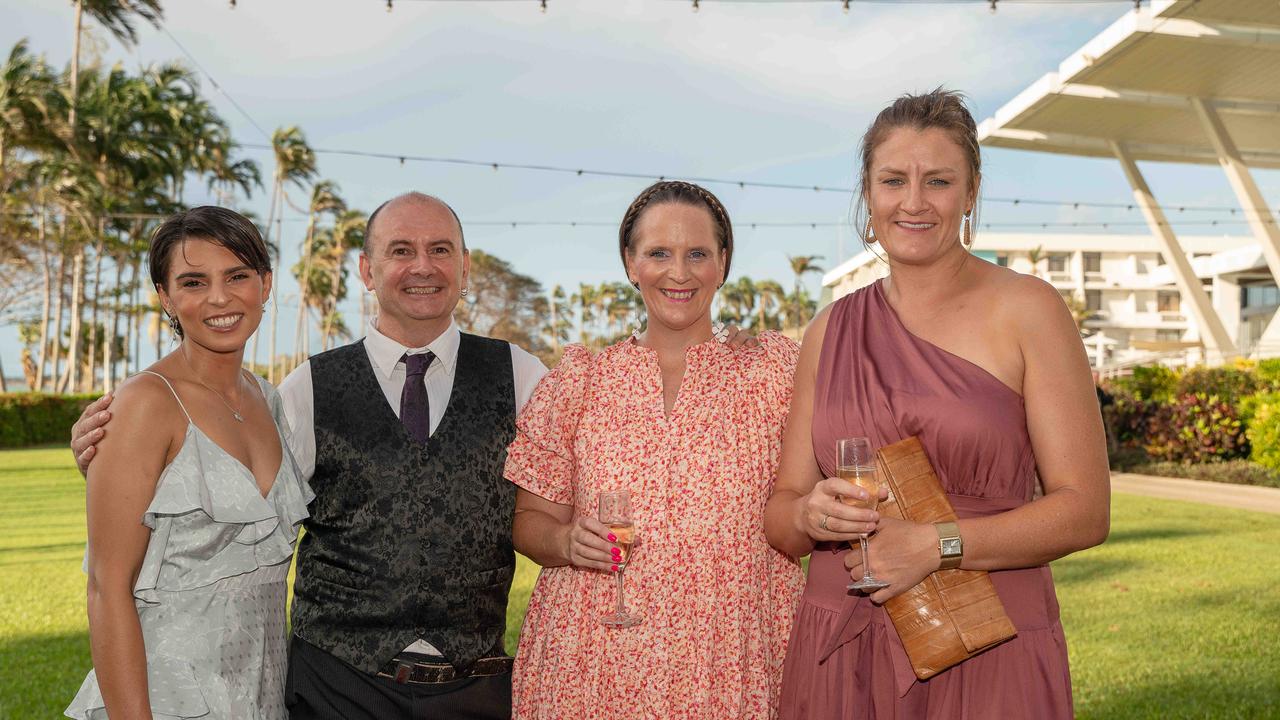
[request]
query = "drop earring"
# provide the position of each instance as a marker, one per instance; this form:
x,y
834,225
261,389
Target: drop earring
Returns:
x,y
967,238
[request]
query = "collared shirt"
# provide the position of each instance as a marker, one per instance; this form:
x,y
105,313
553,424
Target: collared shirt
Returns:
x,y
298,397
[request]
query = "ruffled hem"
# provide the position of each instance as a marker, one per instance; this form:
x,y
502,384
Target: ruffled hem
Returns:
x,y
204,478
175,689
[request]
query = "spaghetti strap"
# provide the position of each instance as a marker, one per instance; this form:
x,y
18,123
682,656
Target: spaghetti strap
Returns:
x,y
175,393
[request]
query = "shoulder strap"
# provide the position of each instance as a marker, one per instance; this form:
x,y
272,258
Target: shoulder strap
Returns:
x,y
175,393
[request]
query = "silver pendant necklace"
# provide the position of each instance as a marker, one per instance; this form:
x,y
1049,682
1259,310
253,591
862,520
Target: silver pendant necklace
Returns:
x,y
234,412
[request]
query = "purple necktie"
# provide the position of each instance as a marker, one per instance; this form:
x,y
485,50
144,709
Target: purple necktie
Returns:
x,y
415,410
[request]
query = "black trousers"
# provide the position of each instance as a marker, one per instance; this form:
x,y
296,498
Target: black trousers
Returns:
x,y
323,687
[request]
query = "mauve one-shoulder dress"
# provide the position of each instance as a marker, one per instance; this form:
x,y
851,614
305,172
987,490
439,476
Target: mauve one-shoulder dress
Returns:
x,y
845,659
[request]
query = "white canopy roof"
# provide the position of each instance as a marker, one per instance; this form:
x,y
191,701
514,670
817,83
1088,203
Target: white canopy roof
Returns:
x,y
1136,83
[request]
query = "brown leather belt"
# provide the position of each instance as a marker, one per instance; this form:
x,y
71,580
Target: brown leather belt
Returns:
x,y
409,670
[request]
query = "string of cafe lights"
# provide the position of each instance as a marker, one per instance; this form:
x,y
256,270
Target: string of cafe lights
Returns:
x,y
695,5
740,224
741,184
403,158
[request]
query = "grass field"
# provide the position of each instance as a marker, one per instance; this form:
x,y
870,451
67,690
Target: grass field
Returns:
x,y
1177,616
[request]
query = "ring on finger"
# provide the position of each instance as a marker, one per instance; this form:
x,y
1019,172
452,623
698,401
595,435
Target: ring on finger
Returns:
x,y
823,524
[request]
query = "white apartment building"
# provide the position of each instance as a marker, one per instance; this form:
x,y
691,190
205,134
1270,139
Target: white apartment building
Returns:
x,y
1135,309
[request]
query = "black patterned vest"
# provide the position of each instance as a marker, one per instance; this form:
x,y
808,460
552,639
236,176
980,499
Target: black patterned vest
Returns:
x,y
406,540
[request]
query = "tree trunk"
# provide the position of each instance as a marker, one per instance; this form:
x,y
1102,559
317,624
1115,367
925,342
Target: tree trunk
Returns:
x,y
91,377
77,310
161,326
108,347
4,386
303,286
275,255
75,71
134,363
46,305
55,342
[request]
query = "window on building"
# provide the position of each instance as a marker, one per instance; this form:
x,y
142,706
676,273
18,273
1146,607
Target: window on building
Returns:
x,y
1093,300
1159,259
1093,262
1259,295
1058,262
1168,335
1168,301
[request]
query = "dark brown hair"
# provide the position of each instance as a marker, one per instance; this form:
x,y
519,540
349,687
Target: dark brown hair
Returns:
x,y
683,193
941,109
221,226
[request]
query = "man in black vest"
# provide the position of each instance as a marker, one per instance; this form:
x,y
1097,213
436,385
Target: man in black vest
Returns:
x,y
402,575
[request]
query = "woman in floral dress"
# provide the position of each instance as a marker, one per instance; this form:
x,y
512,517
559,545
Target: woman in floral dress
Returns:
x,y
692,429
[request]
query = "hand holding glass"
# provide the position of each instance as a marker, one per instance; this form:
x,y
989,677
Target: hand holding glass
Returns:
x,y
615,513
856,463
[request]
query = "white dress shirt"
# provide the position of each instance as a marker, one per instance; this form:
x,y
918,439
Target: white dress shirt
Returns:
x,y
298,398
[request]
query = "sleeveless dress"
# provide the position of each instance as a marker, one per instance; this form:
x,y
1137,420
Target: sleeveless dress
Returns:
x,y
846,661
211,591
717,600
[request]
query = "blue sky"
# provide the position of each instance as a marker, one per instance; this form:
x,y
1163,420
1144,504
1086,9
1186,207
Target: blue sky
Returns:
x,y
774,92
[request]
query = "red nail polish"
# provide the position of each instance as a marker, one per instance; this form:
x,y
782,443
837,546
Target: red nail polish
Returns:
x,y
614,568
616,552
613,538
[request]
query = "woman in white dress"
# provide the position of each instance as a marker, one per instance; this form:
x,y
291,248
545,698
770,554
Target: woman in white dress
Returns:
x,y
193,500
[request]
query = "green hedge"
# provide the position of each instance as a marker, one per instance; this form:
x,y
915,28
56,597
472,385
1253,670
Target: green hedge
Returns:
x,y
1218,423
1264,431
28,419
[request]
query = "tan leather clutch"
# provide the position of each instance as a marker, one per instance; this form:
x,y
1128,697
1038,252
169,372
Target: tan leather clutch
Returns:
x,y
951,615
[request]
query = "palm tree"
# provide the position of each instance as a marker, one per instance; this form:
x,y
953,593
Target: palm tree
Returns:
x,y
587,298
737,300
559,321
621,305
295,165
1035,255
348,234
117,17
769,299
800,265
324,199
26,91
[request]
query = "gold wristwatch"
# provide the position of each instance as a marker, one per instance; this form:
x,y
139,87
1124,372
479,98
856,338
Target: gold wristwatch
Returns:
x,y
950,546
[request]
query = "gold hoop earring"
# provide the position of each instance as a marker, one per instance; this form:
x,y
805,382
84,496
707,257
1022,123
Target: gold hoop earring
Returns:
x,y
967,238
869,236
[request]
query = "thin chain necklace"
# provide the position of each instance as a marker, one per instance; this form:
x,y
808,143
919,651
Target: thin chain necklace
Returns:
x,y
234,412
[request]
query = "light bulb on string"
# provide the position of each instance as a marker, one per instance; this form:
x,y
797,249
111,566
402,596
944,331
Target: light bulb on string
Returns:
x,y
544,6
388,5
846,7
695,5
993,7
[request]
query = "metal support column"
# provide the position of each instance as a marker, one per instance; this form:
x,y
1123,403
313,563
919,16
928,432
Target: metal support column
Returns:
x,y
1261,221
1216,340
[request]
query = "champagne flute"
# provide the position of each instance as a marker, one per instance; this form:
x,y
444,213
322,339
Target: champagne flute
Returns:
x,y
856,463
615,512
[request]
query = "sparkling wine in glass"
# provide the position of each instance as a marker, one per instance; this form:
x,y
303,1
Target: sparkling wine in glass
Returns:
x,y
615,513
856,463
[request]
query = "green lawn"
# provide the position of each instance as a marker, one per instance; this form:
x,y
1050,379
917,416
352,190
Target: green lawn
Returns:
x,y
1175,617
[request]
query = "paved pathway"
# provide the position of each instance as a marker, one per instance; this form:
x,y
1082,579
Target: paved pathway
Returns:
x,y
1246,497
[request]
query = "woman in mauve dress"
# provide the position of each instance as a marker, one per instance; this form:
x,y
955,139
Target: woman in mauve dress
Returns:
x,y
693,429
986,367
